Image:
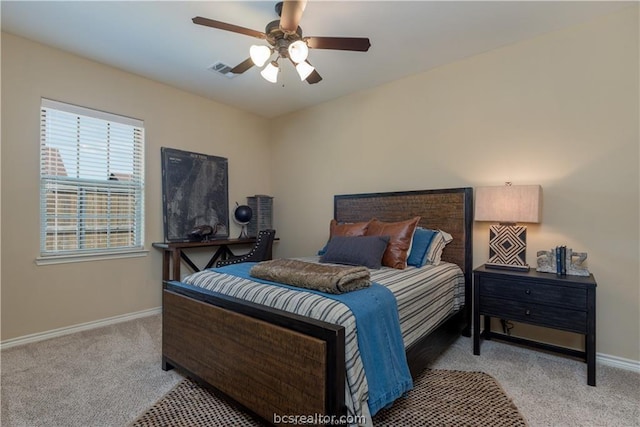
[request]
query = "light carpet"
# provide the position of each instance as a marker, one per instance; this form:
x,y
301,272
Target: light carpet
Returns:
x,y
439,398
107,377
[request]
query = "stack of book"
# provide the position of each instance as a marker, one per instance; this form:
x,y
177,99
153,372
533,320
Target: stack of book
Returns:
x,y
561,260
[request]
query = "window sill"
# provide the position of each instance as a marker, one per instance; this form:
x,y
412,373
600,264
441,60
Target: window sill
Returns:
x,y
64,259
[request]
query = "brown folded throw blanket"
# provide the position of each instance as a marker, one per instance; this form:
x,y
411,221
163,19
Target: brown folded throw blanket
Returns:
x,y
331,279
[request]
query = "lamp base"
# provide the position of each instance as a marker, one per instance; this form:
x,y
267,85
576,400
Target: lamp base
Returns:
x,y
492,265
508,246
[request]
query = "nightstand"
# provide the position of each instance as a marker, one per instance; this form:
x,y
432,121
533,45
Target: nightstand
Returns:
x,y
567,303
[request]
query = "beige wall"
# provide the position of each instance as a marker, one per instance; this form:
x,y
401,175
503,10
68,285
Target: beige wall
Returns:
x,y
42,298
559,110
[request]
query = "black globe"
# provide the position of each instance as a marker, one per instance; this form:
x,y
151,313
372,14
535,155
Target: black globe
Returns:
x,y
243,214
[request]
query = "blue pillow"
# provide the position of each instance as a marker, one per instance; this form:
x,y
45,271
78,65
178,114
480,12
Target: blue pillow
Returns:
x,y
323,250
420,246
356,250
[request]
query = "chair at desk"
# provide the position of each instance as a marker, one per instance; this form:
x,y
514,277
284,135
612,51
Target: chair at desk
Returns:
x,y
261,251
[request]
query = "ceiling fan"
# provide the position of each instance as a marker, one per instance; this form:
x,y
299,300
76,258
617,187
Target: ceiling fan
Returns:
x,y
286,40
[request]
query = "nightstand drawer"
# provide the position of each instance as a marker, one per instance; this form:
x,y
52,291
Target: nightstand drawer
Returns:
x,y
542,315
536,293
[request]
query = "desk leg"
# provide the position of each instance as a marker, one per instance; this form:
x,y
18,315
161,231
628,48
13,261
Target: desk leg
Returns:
x,y
176,264
166,260
223,251
190,263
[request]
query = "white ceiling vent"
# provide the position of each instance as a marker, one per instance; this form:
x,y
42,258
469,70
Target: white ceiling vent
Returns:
x,y
222,68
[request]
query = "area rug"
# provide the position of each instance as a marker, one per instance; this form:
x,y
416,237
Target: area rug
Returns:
x,y
439,398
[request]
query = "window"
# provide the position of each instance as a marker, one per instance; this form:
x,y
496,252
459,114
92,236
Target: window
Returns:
x,y
91,181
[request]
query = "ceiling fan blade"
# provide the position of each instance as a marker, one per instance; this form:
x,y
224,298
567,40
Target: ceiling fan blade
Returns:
x,y
360,44
314,77
228,27
242,67
291,14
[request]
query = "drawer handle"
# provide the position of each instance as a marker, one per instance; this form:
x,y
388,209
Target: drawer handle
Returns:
x,y
527,312
528,292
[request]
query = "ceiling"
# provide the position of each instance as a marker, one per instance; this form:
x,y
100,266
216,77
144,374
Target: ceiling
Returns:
x,y
156,39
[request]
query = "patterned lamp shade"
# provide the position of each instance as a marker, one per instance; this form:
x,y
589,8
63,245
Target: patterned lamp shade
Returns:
x,y
508,205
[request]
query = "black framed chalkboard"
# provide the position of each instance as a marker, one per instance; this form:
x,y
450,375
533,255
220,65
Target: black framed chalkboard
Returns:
x,y
195,192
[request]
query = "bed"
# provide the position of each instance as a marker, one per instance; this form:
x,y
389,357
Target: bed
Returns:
x,y
271,361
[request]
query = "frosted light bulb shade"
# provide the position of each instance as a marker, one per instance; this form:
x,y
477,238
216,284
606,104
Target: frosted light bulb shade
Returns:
x,y
298,51
270,72
304,69
259,54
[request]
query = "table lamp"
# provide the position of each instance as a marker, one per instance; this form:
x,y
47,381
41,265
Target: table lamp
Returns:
x,y
508,205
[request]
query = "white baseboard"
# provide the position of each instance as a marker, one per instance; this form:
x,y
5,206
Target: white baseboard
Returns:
x,y
26,339
604,359
618,362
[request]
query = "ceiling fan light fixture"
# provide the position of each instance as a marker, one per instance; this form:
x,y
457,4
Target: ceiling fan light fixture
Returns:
x,y
284,37
259,54
304,69
270,72
298,51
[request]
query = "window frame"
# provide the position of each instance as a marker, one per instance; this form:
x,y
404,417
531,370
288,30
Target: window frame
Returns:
x,y
133,221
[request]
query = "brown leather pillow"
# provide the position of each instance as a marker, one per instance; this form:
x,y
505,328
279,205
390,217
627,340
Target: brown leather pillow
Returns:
x,y
400,234
347,229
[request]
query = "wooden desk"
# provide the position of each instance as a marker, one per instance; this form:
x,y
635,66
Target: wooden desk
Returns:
x,y
173,252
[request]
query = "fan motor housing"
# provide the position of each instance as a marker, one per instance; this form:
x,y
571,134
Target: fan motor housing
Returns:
x,y
279,39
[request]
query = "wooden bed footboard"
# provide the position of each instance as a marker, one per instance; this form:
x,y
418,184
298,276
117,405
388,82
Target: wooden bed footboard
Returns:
x,y
269,361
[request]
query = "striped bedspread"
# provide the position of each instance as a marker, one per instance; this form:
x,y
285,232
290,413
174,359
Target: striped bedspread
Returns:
x,y
425,296
421,306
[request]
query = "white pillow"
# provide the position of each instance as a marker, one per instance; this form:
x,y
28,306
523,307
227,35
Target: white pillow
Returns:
x,y
440,240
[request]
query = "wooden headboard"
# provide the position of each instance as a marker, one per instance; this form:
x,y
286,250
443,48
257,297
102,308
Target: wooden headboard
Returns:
x,y
450,210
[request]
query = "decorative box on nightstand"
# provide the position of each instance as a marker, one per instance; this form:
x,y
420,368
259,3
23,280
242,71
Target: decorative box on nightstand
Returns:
x,y
567,303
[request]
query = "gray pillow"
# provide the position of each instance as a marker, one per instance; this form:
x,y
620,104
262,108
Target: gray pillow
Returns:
x,y
361,250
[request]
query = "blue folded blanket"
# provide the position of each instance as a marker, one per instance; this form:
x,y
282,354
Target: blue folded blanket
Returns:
x,y
379,337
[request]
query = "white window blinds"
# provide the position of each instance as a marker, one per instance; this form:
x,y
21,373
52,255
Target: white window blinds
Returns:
x,y
91,181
